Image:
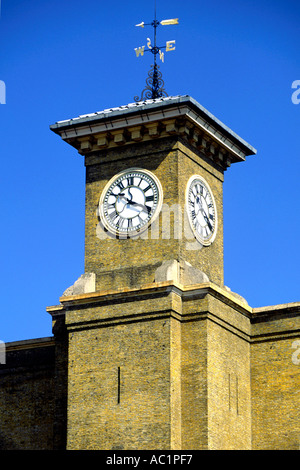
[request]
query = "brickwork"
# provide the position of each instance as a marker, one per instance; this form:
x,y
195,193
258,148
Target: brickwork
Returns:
x,y
126,263
229,397
203,348
161,366
194,406
221,364
183,363
208,259
27,405
175,350
275,378
123,374
121,366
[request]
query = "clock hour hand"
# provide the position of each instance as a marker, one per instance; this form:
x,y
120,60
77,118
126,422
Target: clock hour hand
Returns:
x,y
198,202
125,199
122,197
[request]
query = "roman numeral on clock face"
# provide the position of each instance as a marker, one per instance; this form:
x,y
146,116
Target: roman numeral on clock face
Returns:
x,y
113,215
130,224
120,223
198,227
121,185
110,207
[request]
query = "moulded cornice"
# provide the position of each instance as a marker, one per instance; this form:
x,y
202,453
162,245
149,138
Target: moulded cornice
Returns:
x,y
154,119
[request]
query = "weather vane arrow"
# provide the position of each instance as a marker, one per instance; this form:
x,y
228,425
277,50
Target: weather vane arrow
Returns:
x,y
155,85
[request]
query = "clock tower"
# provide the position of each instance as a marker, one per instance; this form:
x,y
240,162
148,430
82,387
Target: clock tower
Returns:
x,y
151,328
154,174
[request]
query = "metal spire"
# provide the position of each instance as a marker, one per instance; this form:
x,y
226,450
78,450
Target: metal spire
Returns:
x,y
154,83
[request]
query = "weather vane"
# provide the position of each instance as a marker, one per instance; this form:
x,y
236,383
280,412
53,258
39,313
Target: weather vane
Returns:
x,y
155,84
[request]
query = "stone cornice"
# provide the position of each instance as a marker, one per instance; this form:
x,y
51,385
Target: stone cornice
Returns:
x,y
277,322
146,291
155,119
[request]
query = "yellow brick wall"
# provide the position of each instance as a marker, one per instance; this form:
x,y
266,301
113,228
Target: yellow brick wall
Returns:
x,y
176,352
275,380
135,416
194,385
27,396
127,263
207,259
229,397
110,254
216,356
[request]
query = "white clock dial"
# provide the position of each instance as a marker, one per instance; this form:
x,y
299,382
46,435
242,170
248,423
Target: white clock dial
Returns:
x,y
202,211
130,201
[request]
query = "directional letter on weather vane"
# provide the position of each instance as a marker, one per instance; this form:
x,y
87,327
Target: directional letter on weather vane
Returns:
x,y
154,88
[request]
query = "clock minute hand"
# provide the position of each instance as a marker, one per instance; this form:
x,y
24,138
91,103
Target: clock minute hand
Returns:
x,y
206,218
142,206
198,201
133,203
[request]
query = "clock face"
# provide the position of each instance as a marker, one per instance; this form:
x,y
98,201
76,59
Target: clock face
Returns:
x,y
202,212
130,201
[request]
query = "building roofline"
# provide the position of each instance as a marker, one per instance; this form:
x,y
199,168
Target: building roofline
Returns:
x,y
143,108
30,343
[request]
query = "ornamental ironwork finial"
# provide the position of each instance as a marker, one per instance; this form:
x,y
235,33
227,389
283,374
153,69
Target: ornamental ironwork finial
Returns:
x,y
154,82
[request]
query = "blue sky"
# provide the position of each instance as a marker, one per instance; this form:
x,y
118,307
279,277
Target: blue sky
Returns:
x,y
61,59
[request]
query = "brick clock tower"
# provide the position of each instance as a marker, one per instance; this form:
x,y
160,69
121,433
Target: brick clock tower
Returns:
x,y
158,349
